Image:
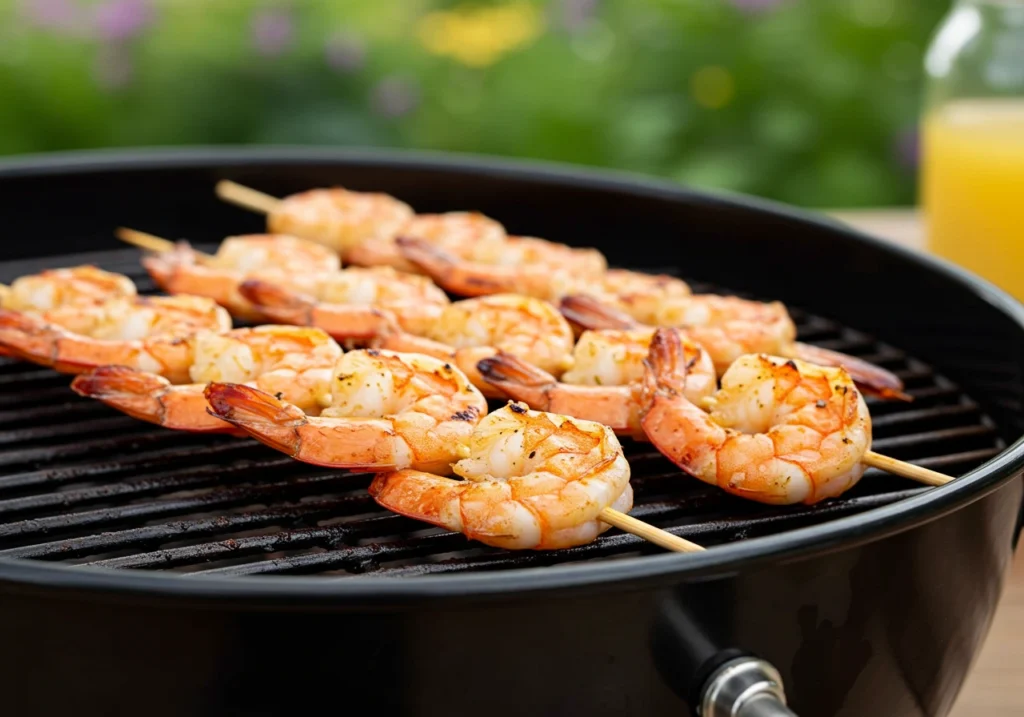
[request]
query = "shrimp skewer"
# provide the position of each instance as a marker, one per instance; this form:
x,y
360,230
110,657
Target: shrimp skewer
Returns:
x,y
144,332
530,480
366,228
604,383
388,411
730,327
291,362
291,277
780,431
288,261
362,226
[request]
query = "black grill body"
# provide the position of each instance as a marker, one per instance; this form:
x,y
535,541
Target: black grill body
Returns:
x,y
146,571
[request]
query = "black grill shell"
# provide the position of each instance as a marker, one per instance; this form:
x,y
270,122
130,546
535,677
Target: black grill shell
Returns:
x,y
129,554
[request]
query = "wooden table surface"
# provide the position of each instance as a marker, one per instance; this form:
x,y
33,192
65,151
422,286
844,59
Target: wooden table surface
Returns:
x,y
995,686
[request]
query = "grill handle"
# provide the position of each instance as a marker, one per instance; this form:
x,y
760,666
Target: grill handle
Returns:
x,y
716,682
744,687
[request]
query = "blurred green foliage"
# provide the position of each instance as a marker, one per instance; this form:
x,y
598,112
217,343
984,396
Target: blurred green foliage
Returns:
x,y
813,103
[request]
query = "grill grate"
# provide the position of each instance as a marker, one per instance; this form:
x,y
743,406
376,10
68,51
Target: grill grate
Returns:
x,y
81,483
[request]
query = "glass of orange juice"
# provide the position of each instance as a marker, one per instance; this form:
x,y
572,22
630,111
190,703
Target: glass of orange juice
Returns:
x,y
973,141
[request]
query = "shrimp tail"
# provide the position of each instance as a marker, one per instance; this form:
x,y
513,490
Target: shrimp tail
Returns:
x,y
152,398
518,379
28,338
589,313
454,275
270,420
278,303
871,379
397,491
135,392
666,362
162,266
443,267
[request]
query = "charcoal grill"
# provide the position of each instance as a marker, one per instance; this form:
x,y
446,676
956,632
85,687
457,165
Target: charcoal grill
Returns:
x,y
149,570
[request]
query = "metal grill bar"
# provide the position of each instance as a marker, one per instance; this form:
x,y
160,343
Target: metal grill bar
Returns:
x,y
167,482
224,498
178,456
152,535
84,484
362,560
99,446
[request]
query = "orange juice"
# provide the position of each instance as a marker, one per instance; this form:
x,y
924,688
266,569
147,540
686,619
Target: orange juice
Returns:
x,y
973,188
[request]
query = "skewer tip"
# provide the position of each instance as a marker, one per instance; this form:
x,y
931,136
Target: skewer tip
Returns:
x,y
245,197
906,470
659,537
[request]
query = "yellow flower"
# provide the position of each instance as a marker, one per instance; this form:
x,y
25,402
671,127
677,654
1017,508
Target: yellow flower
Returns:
x,y
712,87
478,37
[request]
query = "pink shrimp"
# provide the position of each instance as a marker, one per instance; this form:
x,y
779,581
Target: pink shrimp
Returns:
x,y
780,431
339,218
388,411
530,480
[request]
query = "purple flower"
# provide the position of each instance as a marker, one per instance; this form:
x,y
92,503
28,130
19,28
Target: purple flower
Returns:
x,y
345,52
577,13
113,67
753,6
394,97
272,31
907,149
117,20
62,16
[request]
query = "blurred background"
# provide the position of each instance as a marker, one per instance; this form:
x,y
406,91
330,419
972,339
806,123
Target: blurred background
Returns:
x,y
812,103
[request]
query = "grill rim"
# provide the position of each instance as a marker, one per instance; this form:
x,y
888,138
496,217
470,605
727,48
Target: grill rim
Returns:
x,y
628,573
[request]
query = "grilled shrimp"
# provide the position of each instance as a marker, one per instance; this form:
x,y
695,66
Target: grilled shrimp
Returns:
x,y
522,265
388,411
294,363
780,431
54,288
464,234
603,384
729,327
474,329
144,332
530,480
343,301
339,218
289,261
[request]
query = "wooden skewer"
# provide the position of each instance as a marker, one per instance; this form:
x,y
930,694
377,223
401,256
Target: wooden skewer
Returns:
x,y
150,242
646,531
245,197
905,470
668,541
